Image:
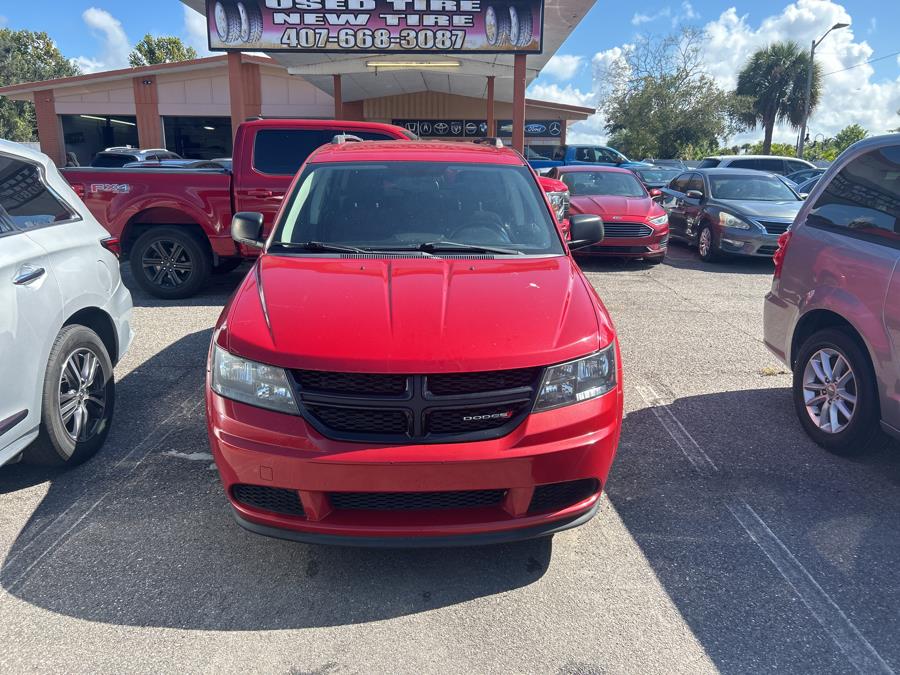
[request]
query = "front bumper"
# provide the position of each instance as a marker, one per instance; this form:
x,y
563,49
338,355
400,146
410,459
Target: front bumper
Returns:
x,y
651,246
747,242
256,447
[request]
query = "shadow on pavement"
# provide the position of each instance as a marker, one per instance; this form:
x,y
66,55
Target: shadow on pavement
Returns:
x,y
142,535
216,291
840,518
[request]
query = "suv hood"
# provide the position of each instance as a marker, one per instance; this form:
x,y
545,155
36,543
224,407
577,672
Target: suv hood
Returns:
x,y
608,205
754,209
414,315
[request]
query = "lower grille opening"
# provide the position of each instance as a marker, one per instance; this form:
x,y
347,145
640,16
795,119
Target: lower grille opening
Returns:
x,y
277,500
767,250
556,496
415,501
375,421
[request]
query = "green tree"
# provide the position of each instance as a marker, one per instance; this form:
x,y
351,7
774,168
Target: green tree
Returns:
x,y
772,85
164,49
660,102
848,136
780,149
26,56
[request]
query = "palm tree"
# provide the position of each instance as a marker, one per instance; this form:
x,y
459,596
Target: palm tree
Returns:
x,y
773,86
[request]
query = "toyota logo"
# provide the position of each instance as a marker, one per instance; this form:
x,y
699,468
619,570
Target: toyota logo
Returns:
x,y
441,128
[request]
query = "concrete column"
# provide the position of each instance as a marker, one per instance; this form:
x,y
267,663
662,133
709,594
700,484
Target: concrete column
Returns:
x,y
235,91
49,130
491,125
146,104
338,99
563,126
519,77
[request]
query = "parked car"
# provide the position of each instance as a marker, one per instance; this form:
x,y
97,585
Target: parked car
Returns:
x,y
805,174
174,226
679,164
544,157
460,381
768,163
730,211
655,178
178,164
806,186
120,156
833,313
635,226
65,317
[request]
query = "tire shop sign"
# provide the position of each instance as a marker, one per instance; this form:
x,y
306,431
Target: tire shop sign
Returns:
x,y
377,26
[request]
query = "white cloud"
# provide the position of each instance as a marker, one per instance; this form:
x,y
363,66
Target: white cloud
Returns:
x,y
3,21
873,25
562,66
640,18
568,95
686,13
115,46
195,33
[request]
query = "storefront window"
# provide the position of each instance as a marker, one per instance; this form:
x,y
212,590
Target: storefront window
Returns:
x,y
198,137
86,135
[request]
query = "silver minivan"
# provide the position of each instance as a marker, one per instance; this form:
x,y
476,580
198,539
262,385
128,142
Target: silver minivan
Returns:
x,y
833,314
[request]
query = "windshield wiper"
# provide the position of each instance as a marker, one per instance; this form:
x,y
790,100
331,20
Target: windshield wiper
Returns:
x,y
435,246
319,246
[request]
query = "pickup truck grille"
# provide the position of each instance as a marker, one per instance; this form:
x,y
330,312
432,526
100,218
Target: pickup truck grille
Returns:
x,y
402,409
626,230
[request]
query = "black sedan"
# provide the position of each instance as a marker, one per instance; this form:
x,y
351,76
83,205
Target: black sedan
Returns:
x,y
730,211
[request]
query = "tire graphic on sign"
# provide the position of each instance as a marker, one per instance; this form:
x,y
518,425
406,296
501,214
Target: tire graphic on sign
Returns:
x,y
251,22
523,30
228,22
238,22
496,26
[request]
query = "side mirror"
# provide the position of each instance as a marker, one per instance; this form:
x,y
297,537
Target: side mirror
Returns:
x,y
247,227
586,229
655,192
804,195
694,194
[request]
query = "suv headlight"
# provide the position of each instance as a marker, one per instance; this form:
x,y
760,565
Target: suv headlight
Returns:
x,y
577,381
251,382
729,220
560,203
659,220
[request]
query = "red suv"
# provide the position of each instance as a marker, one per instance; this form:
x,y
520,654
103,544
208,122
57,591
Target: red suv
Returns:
x,y
415,358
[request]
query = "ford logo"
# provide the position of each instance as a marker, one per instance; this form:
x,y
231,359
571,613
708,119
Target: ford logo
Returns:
x,y
535,128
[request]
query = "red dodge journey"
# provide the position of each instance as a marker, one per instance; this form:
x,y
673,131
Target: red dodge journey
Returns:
x,y
415,359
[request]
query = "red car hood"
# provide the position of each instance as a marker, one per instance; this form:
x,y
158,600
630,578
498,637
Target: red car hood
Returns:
x,y
605,206
414,315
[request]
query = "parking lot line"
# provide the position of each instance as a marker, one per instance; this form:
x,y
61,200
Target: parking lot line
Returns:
x,y
826,611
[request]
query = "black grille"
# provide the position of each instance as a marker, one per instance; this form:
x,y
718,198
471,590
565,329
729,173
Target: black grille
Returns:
x,y
472,419
440,408
773,227
626,230
767,250
603,248
456,384
351,383
278,500
376,421
556,496
415,501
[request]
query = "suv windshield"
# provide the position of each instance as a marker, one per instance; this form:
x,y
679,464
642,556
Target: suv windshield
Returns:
x,y
586,183
760,188
412,205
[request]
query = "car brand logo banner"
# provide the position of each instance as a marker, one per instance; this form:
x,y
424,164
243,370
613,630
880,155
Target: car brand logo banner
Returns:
x,y
445,128
377,26
533,128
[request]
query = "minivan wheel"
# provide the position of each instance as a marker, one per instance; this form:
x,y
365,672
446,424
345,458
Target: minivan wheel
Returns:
x,y
834,393
79,396
169,263
706,244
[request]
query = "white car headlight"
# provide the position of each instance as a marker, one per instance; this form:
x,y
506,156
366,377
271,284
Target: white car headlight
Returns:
x,y
251,382
659,220
728,220
577,381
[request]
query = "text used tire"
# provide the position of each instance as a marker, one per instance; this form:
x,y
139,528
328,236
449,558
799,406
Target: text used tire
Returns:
x,y
496,25
228,21
79,396
706,244
835,394
251,22
170,263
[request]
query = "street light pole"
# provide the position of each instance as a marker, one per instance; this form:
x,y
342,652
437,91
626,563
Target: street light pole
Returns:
x,y
809,79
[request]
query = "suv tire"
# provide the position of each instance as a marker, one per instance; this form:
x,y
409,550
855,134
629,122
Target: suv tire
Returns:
x,y
856,434
78,400
170,263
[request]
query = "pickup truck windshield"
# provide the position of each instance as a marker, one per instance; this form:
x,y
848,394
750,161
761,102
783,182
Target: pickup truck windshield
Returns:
x,y
417,205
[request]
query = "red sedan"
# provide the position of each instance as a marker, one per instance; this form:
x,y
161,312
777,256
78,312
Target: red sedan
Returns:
x,y
635,225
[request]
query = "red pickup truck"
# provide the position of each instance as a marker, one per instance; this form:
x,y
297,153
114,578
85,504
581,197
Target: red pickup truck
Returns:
x,y
175,225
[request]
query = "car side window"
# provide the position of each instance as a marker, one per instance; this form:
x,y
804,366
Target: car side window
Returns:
x,y
695,183
863,199
25,201
745,164
281,152
793,166
606,155
773,165
680,183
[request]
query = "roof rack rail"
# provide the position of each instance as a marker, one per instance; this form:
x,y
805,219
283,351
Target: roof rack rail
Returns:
x,y
490,140
340,139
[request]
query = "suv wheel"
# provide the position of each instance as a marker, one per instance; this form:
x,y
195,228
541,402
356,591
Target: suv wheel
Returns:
x,y
78,399
169,263
835,394
706,244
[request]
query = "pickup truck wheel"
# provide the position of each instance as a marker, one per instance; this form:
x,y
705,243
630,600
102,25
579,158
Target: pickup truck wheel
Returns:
x,y
169,263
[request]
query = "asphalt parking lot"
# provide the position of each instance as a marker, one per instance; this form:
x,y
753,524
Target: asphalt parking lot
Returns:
x,y
726,541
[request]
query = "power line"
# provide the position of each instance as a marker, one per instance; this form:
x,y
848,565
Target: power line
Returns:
x,y
880,58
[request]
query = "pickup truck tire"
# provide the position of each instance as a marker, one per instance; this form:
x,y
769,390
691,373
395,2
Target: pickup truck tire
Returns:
x,y
251,22
78,399
227,20
170,263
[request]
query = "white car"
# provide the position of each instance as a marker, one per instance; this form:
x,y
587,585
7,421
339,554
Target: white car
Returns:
x,y
64,316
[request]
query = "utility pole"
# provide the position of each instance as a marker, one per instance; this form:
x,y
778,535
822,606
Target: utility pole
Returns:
x,y
809,78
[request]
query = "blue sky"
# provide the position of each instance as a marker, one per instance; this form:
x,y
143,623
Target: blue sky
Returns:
x,y
99,35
